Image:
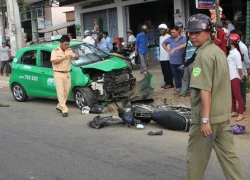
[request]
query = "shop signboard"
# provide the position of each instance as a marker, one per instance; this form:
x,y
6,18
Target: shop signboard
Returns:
x,y
204,4
248,23
40,23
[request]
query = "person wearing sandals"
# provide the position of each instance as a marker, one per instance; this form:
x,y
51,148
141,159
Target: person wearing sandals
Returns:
x,y
164,58
245,66
141,48
177,43
234,60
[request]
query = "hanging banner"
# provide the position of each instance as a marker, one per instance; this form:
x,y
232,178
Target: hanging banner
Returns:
x,y
204,4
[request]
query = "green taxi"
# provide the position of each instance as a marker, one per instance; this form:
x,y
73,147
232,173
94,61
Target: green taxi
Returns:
x,y
96,76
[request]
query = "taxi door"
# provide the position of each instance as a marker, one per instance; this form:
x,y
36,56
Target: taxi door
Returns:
x,y
46,75
27,72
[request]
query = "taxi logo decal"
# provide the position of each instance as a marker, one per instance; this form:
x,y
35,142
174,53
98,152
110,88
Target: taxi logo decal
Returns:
x,y
15,60
26,67
51,81
196,71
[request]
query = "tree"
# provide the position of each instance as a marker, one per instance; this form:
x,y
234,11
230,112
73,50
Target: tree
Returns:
x,y
217,9
3,11
23,5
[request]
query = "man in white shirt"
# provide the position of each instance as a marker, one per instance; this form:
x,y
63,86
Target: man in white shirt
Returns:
x,y
245,66
4,56
164,58
88,38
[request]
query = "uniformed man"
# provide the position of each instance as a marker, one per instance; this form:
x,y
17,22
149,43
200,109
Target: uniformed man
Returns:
x,y
211,105
60,58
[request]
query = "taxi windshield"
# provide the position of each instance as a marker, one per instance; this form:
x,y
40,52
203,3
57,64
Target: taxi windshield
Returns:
x,y
88,54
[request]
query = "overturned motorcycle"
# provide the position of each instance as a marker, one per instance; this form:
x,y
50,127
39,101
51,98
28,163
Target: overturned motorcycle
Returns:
x,y
175,118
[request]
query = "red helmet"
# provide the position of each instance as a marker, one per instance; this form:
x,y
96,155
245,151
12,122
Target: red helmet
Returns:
x,y
234,38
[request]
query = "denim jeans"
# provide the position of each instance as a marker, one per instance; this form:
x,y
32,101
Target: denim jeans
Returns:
x,y
186,80
177,74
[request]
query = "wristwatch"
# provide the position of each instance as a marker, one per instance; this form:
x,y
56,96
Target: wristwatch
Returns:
x,y
204,120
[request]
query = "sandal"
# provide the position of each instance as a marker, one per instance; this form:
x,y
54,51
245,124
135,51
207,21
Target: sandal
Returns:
x,y
177,93
234,114
240,119
168,86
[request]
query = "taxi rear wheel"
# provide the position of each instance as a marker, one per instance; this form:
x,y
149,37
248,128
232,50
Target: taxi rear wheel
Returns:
x,y
19,93
84,97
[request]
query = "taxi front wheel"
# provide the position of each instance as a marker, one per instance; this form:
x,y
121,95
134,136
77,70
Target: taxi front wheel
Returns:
x,y
19,93
84,97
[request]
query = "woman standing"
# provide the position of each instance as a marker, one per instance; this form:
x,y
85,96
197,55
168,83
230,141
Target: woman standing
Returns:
x,y
235,68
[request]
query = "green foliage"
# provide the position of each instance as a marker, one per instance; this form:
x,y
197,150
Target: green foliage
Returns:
x,y
248,84
23,5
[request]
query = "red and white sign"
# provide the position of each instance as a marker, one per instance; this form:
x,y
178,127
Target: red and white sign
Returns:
x,y
204,4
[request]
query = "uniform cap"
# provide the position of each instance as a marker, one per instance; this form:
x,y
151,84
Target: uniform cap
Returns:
x,y
198,23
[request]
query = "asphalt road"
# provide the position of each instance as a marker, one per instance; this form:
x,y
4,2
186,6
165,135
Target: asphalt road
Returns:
x,y
37,143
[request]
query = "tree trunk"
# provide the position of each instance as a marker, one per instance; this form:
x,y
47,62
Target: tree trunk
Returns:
x,y
3,21
217,10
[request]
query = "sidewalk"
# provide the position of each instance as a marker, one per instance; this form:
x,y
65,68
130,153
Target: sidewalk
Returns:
x,y
4,82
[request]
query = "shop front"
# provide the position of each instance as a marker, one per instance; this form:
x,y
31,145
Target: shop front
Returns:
x,y
234,10
117,16
151,14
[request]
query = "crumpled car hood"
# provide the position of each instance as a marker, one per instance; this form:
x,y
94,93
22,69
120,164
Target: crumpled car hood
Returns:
x,y
107,65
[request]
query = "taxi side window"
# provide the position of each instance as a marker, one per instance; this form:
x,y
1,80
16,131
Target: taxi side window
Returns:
x,y
29,58
45,59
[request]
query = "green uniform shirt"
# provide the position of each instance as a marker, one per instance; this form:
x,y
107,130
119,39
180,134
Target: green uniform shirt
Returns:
x,y
210,72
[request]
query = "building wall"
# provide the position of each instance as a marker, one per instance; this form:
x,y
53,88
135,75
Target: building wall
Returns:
x,y
70,16
48,17
120,5
179,11
59,16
